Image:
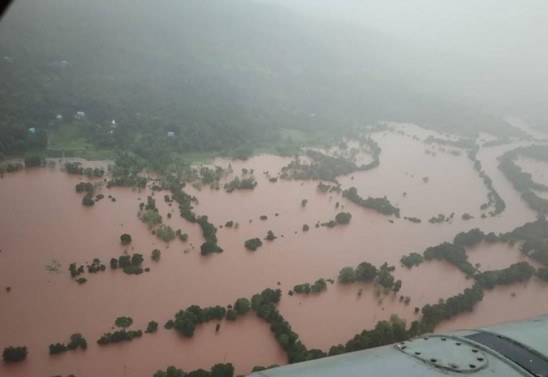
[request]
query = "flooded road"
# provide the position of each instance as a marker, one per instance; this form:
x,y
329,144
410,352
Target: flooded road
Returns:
x,y
43,223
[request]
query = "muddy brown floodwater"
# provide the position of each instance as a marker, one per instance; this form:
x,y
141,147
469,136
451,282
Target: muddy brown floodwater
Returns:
x,y
42,223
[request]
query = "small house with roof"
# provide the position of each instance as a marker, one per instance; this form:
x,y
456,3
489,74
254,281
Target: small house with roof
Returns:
x,y
80,115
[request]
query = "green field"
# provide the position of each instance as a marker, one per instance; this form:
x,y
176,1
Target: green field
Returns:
x,y
66,136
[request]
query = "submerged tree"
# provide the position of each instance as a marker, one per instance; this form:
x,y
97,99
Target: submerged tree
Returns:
x,y
123,322
270,236
125,239
152,327
33,161
253,244
15,354
242,306
347,275
343,217
155,255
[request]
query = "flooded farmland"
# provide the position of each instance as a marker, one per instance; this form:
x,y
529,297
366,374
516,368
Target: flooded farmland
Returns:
x,y
44,228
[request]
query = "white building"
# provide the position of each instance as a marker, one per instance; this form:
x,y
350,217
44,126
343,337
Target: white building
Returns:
x,y
80,115
170,134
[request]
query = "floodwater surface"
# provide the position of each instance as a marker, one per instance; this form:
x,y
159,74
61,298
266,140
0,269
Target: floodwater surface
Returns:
x,y
44,225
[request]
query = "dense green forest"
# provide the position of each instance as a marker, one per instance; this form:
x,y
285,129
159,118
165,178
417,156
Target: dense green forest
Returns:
x,y
219,74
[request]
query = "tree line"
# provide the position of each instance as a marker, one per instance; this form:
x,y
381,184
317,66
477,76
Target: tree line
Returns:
x,y
76,341
523,181
381,205
217,370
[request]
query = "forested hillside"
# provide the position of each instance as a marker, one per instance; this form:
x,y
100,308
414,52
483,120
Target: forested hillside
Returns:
x,y
216,72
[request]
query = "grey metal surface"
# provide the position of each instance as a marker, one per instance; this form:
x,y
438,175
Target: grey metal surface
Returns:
x,y
532,333
392,361
529,360
446,352
434,355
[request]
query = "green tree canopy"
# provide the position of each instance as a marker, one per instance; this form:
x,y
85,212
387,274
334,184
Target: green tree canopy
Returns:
x,y
123,322
347,275
125,239
14,354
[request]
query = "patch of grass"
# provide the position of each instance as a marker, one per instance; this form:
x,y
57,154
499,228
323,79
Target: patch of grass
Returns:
x,y
67,135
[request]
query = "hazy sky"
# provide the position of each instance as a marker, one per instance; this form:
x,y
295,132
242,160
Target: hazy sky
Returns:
x,y
507,40
489,27
490,52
